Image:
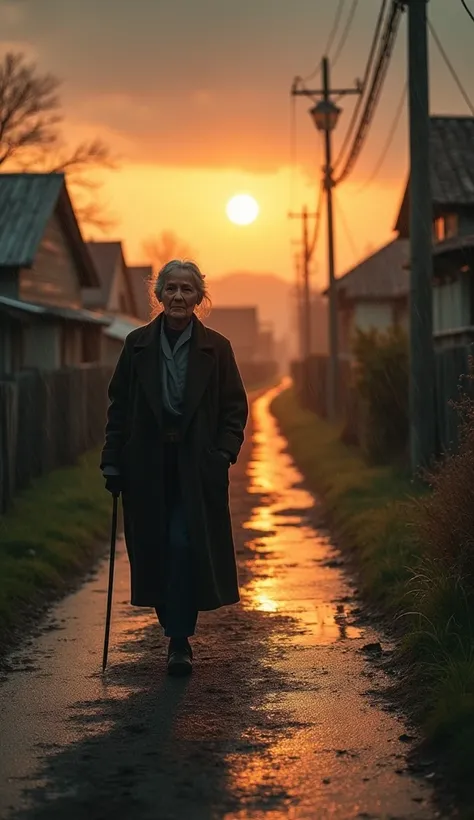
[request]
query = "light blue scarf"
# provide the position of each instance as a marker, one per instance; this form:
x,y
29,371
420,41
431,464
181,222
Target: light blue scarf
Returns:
x,y
174,370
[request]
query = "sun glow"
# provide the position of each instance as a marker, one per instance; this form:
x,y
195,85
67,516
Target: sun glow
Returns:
x,y
242,209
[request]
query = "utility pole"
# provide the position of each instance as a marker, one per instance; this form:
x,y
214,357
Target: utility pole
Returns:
x,y
298,300
325,115
306,290
333,374
422,359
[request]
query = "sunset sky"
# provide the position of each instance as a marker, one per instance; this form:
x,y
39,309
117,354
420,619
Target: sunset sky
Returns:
x,y
194,97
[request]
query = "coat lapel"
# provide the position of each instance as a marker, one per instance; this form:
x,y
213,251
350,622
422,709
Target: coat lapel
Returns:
x,y
147,350
200,365
201,361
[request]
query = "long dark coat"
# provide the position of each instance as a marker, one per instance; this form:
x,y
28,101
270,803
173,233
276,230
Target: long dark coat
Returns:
x,y
215,415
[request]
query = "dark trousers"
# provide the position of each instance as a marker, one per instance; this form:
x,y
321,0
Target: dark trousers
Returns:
x,y
179,614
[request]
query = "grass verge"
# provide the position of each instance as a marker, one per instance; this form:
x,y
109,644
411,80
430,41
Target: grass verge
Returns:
x,y
54,531
375,513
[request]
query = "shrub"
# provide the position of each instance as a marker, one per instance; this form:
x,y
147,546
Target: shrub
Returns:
x,y
382,384
445,517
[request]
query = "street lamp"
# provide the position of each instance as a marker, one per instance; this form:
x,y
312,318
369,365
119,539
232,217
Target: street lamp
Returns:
x,y
325,115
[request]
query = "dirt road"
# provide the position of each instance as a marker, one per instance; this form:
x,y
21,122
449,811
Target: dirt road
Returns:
x,y
279,719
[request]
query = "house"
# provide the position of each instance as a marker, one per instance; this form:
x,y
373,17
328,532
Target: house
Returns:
x,y
373,294
452,189
114,296
141,277
266,350
44,265
240,325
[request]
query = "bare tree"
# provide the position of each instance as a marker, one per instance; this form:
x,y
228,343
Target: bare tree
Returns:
x,y
31,139
164,247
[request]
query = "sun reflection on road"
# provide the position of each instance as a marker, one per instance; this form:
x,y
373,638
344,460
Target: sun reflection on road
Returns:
x,y
293,571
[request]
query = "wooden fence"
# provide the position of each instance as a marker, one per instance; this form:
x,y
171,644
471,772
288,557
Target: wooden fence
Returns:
x,y
451,371
47,420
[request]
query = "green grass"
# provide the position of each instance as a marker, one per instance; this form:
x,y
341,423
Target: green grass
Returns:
x,y
53,531
374,514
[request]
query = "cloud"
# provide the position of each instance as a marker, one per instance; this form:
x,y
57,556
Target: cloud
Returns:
x,y
12,12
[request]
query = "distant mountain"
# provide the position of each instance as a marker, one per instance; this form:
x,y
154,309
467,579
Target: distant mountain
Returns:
x,y
275,300
272,295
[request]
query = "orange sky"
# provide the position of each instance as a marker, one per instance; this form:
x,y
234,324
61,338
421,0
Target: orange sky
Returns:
x,y
194,96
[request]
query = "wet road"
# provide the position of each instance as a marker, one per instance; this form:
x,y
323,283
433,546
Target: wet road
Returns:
x,y
279,719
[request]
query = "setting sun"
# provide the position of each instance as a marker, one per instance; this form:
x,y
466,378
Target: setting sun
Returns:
x,y
242,209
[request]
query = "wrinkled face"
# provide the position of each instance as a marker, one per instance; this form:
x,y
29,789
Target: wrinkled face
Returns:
x,y
180,296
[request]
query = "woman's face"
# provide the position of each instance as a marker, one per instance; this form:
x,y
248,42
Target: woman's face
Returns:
x,y
180,296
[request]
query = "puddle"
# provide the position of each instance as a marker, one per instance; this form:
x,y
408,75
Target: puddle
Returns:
x,y
295,568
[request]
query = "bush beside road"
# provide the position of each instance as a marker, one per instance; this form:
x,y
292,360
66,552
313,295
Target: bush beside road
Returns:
x,y
54,531
396,532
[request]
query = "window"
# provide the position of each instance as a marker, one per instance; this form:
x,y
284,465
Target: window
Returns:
x,y
450,225
445,227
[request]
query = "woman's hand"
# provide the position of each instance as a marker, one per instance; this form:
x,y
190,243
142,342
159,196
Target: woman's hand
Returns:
x,y
113,480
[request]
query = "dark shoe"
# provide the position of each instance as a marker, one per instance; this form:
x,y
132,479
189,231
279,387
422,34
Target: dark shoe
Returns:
x,y
180,663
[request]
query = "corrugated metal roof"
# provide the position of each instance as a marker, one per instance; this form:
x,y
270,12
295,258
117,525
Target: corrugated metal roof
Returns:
x,y
454,243
121,326
452,160
452,167
27,202
51,311
383,275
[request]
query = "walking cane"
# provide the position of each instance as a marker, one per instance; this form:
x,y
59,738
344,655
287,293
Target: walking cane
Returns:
x,y
113,539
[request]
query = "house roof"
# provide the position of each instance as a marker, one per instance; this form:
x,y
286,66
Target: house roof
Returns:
x,y
15,306
105,256
140,277
382,275
452,166
27,203
121,326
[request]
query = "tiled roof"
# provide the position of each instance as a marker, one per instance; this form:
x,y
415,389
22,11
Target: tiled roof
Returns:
x,y
383,275
139,277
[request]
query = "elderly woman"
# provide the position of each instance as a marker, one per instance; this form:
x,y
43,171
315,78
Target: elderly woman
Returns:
x,y
175,424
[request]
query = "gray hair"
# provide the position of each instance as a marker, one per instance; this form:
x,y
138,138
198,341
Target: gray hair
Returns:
x,y
186,265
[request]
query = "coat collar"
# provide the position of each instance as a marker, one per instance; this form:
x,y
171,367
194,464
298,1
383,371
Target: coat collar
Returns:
x,y
147,351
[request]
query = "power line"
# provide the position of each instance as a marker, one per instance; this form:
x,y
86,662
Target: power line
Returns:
x,y
471,15
451,68
332,35
383,62
335,27
388,142
368,69
293,150
345,33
